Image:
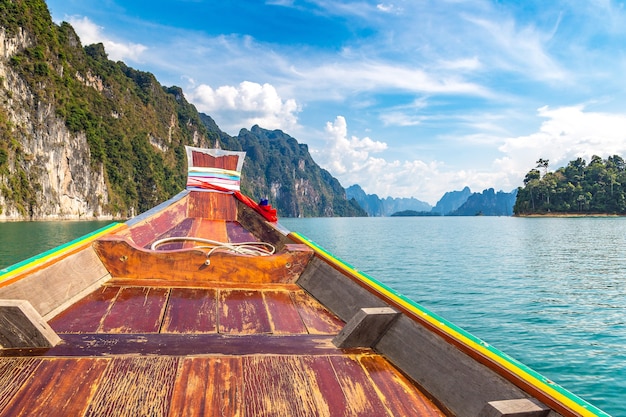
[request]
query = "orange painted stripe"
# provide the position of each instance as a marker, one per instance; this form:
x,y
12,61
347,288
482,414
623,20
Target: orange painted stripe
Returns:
x,y
14,272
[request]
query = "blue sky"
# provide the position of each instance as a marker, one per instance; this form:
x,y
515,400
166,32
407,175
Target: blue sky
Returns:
x,y
406,98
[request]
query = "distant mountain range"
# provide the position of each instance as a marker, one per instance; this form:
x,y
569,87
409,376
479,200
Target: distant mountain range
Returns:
x,y
116,139
377,207
453,203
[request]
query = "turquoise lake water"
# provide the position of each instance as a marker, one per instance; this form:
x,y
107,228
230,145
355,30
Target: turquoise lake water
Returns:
x,y
548,292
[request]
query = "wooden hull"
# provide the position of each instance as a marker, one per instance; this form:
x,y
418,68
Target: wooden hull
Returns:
x,y
129,330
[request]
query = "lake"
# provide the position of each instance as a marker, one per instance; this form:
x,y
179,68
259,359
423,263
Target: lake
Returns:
x,y
550,292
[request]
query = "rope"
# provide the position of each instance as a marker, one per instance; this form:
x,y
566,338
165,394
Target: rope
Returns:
x,y
243,248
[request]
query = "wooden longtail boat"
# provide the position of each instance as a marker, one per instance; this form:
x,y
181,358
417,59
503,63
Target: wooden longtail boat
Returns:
x,y
153,318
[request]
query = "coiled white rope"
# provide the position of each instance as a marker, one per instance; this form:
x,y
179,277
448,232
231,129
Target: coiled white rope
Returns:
x,y
243,248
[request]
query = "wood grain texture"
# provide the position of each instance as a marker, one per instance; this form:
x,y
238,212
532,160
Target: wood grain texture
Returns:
x,y
161,283
59,387
21,326
398,393
182,229
208,387
136,310
191,310
13,373
87,314
211,205
170,344
328,393
362,395
123,260
135,387
238,234
242,312
278,386
283,314
315,316
210,229
144,232
49,288
257,225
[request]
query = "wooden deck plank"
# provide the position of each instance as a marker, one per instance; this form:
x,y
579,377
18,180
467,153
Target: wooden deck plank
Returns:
x,y
329,395
242,312
317,319
170,344
211,205
362,397
238,234
208,387
13,373
59,387
181,229
136,310
278,386
135,387
86,315
210,229
284,317
399,394
191,310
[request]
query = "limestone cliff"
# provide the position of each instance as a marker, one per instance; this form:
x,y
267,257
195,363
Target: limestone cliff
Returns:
x,y
85,137
82,136
44,168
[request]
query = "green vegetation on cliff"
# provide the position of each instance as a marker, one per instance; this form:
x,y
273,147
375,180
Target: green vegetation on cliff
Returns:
x,y
279,168
136,129
595,188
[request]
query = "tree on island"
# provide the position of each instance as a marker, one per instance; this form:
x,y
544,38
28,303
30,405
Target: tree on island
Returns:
x,y
595,188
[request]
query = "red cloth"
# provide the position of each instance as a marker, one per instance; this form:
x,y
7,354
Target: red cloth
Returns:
x,y
266,211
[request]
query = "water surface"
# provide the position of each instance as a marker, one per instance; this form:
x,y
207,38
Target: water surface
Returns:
x,y
21,240
551,292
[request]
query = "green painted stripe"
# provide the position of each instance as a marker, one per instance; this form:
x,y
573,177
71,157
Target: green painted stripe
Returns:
x,y
32,261
543,384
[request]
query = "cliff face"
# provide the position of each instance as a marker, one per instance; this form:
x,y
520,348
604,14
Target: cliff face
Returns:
x,y
46,170
487,203
451,201
280,169
375,206
84,137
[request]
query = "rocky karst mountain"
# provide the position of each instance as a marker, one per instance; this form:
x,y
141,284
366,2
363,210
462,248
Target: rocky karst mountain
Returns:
x,y
82,136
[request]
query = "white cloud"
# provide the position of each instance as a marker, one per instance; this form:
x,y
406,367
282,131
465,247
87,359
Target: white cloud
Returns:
x,y
352,77
351,161
349,157
235,107
90,33
520,50
568,133
388,8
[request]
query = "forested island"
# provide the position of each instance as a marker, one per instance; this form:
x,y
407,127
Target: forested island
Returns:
x,y
578,188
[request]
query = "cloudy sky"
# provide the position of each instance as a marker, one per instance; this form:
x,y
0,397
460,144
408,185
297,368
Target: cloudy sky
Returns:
x,y
406,98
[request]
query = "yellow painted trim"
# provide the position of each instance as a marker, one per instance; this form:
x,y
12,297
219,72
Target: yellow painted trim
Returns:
x,y
482,349
48,256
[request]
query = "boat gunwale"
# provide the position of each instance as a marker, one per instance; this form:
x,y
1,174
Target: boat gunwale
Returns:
x,y
15,272
511,369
